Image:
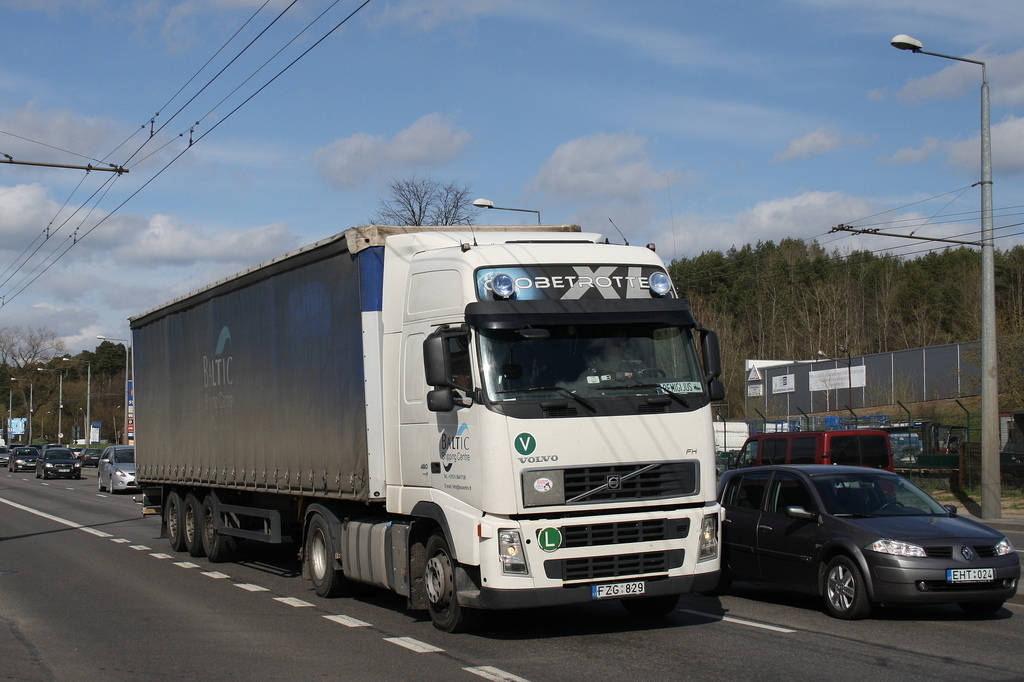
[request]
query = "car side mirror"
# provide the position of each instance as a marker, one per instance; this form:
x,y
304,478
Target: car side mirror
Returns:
x,y
951,508
801,513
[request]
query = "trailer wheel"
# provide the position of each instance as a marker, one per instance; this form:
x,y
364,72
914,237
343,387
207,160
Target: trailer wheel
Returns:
x,y
218,548
174,521
439,581
319,557
192,517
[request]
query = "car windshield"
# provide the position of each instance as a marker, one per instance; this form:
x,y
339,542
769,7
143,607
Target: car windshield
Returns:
x,y
872,494
59,454
588,361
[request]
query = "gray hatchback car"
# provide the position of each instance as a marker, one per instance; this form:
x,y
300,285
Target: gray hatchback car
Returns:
x,y
859,537
116,470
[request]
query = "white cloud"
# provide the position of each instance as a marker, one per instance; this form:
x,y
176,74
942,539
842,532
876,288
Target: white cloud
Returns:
x,y
909,155
821,141
604,165
167,241
427,16
809,215
1007,149
428,143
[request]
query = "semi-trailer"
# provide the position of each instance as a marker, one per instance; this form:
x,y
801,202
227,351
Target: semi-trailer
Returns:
x,y
476,418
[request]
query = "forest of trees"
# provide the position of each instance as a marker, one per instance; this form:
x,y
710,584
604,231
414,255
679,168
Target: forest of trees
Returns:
x,y
24,351
788,300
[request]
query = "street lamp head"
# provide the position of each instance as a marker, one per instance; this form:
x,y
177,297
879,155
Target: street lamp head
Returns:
x,y
842,348
483,203
905,42
822,354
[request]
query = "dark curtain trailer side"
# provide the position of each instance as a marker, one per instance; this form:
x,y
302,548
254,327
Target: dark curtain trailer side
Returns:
x,y
251,401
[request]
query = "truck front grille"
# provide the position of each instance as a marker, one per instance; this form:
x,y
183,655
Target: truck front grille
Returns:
x,y
589,485
615,566
621,532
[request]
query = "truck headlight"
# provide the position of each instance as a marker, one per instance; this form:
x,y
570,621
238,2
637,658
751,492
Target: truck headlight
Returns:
x,y
510,552
708,538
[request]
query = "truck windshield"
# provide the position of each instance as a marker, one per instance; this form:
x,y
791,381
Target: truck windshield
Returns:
x,y
588,361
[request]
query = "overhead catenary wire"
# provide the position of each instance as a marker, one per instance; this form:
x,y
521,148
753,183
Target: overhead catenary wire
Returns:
x,y
82,232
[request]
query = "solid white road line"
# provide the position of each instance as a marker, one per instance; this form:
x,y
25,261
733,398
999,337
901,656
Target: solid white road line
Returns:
x,y
740,621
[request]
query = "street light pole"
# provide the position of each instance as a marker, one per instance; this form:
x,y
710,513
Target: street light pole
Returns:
x,y
991,493
127,353
60,402
487,203
88,401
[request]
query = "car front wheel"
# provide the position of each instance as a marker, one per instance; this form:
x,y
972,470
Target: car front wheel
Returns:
x,y
846,595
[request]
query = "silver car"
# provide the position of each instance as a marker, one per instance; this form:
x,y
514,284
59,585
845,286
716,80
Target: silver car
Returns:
x,y
116,470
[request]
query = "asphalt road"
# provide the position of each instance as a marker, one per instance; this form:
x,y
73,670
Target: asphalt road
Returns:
x,y
88,591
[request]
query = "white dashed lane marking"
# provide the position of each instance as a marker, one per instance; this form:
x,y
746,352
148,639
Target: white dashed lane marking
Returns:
x,y
292,601
490,673
348,621
249,587
413,645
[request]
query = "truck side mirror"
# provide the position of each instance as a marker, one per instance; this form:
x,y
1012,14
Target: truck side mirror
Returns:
x,y
437,363
711,355
441,399
716,390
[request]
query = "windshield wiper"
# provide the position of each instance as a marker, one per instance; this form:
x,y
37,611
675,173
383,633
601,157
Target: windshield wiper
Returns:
x,y
672,394
558,389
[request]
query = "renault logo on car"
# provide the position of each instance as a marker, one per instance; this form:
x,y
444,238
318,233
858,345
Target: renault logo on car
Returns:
x,y
967,552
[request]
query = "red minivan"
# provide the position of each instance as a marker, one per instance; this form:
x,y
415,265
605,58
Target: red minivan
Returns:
x,y
852,447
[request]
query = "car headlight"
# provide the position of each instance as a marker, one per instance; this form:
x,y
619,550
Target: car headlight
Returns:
x,y
708,538
510,552
1004,547
48,465
897,548
118,472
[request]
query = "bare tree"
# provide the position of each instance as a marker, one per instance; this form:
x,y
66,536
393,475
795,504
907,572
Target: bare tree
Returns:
x,y
425,201
21,347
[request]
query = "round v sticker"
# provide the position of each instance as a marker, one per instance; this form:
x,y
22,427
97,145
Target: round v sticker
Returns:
x,y
525,444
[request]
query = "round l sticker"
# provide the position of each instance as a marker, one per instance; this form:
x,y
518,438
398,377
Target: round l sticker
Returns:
x,y
549,539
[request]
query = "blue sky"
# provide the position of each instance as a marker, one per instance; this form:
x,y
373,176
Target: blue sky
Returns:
x,y
693,125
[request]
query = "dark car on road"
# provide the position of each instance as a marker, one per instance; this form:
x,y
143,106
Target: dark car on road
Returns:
x,y
22,459
90,457
859,537
58,463
5,454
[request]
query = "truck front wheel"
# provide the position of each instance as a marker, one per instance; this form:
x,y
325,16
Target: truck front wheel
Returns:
x,y
319,557
439,582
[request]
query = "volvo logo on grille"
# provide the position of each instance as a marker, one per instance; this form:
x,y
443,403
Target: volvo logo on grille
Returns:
x,y
968,554
614,482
